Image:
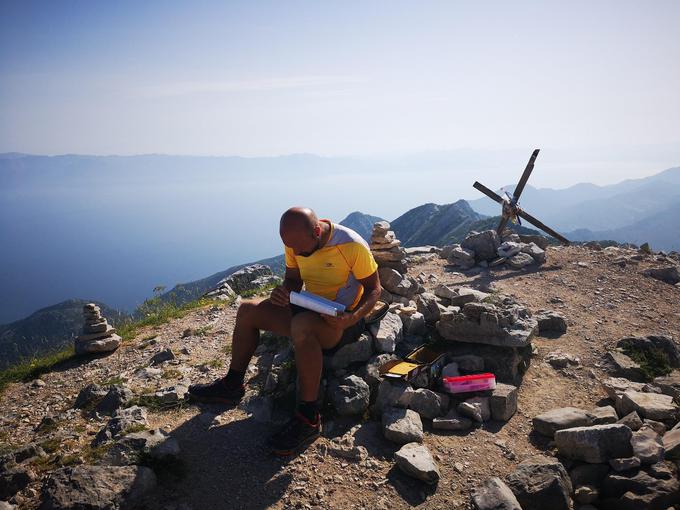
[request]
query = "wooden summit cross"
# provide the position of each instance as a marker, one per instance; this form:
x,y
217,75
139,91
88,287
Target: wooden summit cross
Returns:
x,y
510,204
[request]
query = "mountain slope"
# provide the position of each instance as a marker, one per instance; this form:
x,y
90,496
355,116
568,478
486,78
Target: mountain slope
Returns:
x,y
661,231
621,207
361,223
48,329
434,224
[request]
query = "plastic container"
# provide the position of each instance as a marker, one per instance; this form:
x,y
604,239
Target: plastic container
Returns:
x,y
468,383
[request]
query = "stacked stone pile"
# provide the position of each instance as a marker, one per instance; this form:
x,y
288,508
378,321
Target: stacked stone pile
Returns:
x,y
386,248
351,384
487,249
98,335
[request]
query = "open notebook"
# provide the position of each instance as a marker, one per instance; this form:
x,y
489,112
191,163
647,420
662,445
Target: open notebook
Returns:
x,y
316,303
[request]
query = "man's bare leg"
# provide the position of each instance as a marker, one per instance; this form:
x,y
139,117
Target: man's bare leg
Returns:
x,y
251,317
310,335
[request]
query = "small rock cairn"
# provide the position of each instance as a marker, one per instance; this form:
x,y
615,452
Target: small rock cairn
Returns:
x,y
98,335
386,248
399,289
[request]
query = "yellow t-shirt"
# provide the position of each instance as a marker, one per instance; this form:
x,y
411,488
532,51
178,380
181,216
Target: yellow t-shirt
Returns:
x,y
332,271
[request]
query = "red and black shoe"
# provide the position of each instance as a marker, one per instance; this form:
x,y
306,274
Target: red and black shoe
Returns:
x,y
298,433
217,392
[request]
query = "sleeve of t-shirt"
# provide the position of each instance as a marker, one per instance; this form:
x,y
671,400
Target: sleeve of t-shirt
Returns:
x,y
290,257
362,261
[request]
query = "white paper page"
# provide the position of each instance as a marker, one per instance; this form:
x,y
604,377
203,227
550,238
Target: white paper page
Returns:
x,y
316,303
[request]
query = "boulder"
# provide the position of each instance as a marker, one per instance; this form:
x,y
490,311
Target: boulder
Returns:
x,y
476,408
123,421
595,444
649,405
426,303
603,415
539,483
671,444
97,487
624,464
413,323
393,394
560,360
387,333
13,480
90,395
243,280
625,367
505,325
396,283
508,249
452,421
416,461
494,494
520,260
632,421
561,418
116,397
667,274
652,344
647,446
461,257
536,252
162,356
539,240
355,352
484,244
350,395
669,384
550,321
133,448
503,402
654,487
402,425
427,403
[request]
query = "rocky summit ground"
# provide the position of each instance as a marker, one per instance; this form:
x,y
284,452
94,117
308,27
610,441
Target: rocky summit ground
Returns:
x,y
222,461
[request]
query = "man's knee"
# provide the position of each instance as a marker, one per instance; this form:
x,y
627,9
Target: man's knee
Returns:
x,y
247,312
302,327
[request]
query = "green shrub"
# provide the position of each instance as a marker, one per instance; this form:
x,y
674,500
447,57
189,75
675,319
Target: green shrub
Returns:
x,y
34,368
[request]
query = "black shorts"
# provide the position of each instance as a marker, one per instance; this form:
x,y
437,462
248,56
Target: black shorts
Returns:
x,y
349,335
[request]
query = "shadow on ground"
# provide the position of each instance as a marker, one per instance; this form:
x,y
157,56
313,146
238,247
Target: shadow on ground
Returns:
x,y
225,467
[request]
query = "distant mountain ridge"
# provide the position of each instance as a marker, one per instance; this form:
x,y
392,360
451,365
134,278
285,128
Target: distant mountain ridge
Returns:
x,y
635,210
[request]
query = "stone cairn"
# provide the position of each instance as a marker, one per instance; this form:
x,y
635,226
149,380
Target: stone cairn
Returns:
x,y
98,335
399,289
488,249
386,248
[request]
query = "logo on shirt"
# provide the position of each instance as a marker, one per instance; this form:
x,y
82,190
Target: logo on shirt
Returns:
x,y
328,264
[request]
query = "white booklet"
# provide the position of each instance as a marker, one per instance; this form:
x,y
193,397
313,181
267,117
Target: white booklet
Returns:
x,y
316,303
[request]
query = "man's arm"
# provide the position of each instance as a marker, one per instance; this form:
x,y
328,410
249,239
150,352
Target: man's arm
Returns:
x,y
368,300
292,281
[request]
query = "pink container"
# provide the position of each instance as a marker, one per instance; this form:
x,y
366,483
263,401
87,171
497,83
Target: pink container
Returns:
x,y
468,383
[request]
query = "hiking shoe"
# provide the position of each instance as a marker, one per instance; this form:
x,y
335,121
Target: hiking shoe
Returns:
x,y
297,433
216,392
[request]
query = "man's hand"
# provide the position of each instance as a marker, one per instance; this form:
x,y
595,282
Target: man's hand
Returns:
x,y
342,321
280,296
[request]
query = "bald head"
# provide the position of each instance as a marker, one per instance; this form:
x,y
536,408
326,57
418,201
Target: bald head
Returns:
x,y
299,228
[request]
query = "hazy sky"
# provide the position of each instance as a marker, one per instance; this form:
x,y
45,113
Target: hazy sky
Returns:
x,y
339,78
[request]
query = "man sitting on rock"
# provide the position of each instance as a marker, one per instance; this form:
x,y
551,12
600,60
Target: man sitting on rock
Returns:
x,y
331,261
